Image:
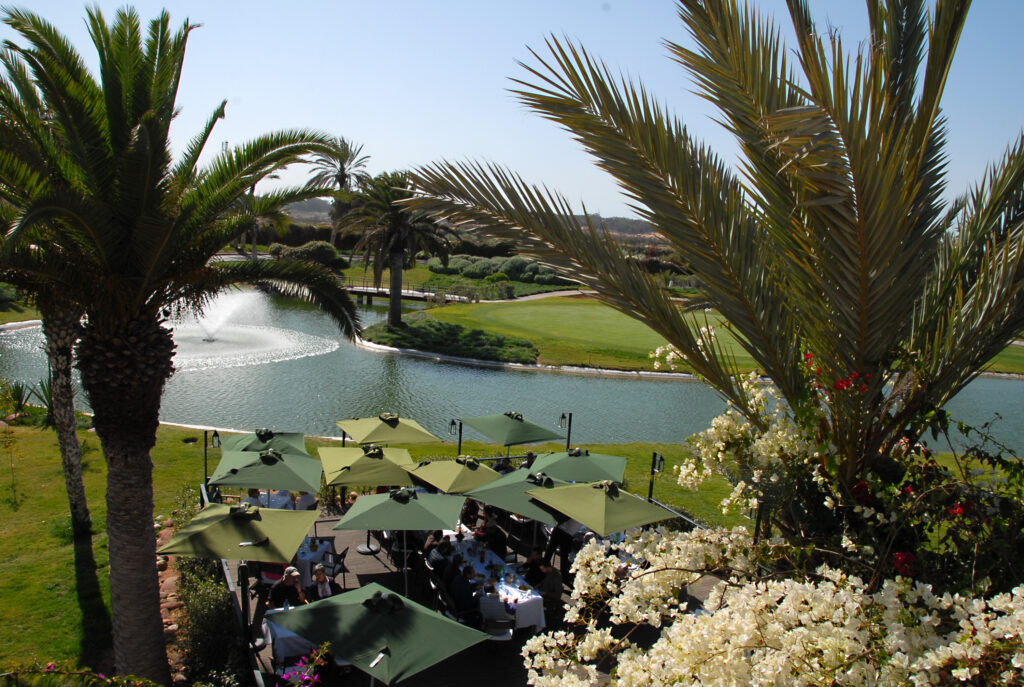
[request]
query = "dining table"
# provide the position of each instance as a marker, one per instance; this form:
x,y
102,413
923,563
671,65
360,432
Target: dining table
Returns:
x,y
521,599
311,551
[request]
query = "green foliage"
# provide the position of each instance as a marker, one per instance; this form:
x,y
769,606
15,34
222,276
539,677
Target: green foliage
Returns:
x,y
451,339
208,634
64,674
496,277
320,252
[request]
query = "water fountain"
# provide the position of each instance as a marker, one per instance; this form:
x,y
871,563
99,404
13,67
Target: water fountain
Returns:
x,y
213,340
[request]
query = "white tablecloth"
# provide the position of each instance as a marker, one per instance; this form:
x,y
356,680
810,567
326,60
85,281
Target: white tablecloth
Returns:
x,y
287,644
305,559
529,605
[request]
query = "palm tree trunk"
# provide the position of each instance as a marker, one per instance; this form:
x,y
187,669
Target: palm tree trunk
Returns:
x,y
124,368
61,326
397,262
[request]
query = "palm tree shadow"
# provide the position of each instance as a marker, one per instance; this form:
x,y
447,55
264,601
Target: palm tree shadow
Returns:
x,y
94,648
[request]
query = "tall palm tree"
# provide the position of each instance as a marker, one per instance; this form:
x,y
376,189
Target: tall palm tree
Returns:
x,y
392,233
340,168
831,241
140,229
25,131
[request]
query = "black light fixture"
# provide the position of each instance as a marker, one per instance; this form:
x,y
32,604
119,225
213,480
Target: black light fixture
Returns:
x,y
215,439
208,440
565,422
455,426
657,465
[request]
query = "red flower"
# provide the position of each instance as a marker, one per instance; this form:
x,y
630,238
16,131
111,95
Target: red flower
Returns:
x,y
854,375
957,509
860,491
863,388
902,561
808,356
908,489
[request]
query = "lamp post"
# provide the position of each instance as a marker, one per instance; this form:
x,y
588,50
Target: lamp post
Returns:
x,y
657,465
565,422
208,440
452,430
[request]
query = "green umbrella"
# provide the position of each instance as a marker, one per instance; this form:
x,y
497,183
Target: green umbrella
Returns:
x,y
403,509
242,532
387,428
367,466
453,476
509,492
262,439
380,632
269,469
602,506
509,429
581,466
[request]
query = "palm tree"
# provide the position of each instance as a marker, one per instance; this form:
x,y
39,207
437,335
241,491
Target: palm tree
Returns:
x,y
24,129
392,233
140,229
339,168
832,241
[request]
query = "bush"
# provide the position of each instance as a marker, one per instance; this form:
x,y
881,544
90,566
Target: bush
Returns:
x,y
496,277
451,339
275,249
208,635
514,267
437,266
482,267
320,252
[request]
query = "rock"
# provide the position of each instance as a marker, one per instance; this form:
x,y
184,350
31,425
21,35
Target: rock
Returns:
x,y
171,604
179,679
161,564
170,632
169,523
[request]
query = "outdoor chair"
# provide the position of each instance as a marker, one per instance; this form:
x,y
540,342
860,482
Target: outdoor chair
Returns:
x,y
499,629
334,564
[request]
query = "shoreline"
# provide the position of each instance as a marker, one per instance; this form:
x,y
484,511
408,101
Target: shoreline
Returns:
x,y
475,362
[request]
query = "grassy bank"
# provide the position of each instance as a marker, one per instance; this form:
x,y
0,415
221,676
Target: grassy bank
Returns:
x,y
47,611
581,331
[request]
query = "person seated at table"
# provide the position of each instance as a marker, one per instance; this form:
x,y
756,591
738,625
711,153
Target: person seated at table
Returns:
x,y
503,466
531,568
491,605
438,556
495,539
550,586
432,540
350,499
470,514
464,595
306,501
254,498
528,460
287,589
450,570
322,586
282,498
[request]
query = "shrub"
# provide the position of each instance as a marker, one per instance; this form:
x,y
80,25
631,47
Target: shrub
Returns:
x,y
208,634
482,267
496,277
437,266
320,252
452,339
275,249
514,267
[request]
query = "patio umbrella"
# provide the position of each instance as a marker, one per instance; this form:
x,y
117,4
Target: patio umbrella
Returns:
x,y
369,466
382,633
509,429
581,466
602,506
453,476
237,532
268,469
403,509
262,439
509,492
386,428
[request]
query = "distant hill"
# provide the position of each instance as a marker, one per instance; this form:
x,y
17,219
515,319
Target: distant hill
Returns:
x,y
313,211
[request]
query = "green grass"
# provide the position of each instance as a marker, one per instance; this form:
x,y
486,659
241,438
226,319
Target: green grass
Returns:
x,y
40,613
421,276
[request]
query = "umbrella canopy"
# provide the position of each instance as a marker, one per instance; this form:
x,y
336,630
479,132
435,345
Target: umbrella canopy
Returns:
x,y
453,476
268,469
602,506
509,429
380,632
262,439
403,509
237,532
367,466
387,428
581,466
509,492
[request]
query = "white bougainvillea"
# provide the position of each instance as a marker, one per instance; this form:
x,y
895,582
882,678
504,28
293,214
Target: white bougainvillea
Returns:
x,y
827,629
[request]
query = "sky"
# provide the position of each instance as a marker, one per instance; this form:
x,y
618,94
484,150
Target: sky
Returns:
x,y
416,82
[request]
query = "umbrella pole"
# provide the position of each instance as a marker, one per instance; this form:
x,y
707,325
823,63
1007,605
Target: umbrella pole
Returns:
x,y
405,562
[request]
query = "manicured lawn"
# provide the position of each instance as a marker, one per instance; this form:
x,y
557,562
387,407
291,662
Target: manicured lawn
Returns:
x,y
582,331
41,614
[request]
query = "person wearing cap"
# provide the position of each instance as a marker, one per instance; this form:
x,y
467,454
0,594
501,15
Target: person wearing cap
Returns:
x,y
287,589
322,586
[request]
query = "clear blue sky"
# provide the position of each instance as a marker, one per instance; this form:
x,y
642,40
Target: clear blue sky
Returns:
x,y
417,81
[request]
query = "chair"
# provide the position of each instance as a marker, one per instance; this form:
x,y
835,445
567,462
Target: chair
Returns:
x,y
499,629
334,563
260,593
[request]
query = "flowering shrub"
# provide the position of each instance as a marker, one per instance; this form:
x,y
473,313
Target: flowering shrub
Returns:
x,y
307,672
64,674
